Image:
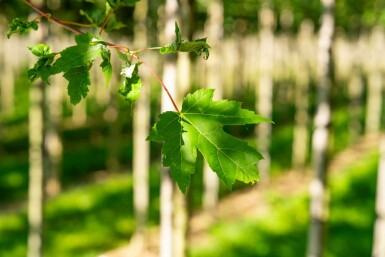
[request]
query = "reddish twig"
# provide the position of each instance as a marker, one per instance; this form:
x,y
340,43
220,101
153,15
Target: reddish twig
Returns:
x,y
49,17
160,80
106,21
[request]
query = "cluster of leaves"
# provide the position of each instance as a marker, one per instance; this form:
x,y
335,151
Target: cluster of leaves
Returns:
x,y
197,127
74,62
21,26
198,46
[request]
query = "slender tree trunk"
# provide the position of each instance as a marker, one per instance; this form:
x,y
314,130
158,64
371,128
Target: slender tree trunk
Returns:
x,y
180,214
379,228
322,120
79,113
214,31
141,126
355,90
7,79
301,133
180,224
374,102
184,60
52,138
111,116
36,171
167,185
265,90
375,83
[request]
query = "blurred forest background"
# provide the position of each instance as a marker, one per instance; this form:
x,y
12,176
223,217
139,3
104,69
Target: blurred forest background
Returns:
x,y
264,54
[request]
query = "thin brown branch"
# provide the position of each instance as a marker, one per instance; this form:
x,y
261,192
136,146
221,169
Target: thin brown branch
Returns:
x,y
50,18
160,80
76,23
106,21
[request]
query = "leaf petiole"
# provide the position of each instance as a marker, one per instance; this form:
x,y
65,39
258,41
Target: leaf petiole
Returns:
x,y
160,81
106,21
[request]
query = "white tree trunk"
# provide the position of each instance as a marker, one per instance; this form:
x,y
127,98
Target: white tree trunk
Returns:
x,y
265,89
374,102
52,139
141,127
301,133
214,31
355,90
318,189
375,82
7,79
36,171
180,213
180,224
167,185
379,228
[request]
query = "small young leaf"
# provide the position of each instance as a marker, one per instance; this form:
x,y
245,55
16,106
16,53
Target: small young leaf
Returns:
x,y
197,46
132,83
21,26
199,126
79,80
40,50
174,46
106,64
43,67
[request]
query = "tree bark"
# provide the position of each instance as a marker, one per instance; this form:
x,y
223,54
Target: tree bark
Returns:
x,y
355,91
375,83
322,120
36,171
167,185
7,79
301,133
141,126
264,94
52,139
214,31
379,227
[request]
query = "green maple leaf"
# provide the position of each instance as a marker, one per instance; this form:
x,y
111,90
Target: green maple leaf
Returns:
x,y
79,80
199,126
88,48
132,83
76,61
197,46
21,26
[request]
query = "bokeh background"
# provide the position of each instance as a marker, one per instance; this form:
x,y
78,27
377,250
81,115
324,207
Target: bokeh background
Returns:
x,y
264,54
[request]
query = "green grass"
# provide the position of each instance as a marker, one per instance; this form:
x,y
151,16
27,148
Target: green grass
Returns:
x,y
282,232
82,222
91,219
